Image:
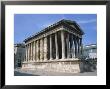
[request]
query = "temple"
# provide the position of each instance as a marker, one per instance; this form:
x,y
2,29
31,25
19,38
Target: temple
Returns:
x,y
55,48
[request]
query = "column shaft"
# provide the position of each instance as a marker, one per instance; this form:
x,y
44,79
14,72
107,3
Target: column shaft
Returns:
x,y
78,46
41,49
34,50
45,48
56,45
29,51
50,47
71,45
63,44
38,50
26,52
75,47
67,42
81,46
73,54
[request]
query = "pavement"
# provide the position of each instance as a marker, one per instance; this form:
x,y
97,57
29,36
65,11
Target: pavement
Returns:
x,y
22,72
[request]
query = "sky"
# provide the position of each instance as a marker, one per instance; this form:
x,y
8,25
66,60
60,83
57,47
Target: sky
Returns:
x,y
26,25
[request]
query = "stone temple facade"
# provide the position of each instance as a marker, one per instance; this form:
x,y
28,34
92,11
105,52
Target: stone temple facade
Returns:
x,y
55,48
19,54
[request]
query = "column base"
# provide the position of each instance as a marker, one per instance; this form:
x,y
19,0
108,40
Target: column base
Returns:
x,y
51,59
63,58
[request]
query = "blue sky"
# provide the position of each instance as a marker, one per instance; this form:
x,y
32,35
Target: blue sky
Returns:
x,y
26,25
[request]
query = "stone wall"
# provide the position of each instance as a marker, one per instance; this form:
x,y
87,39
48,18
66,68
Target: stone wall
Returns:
x,y
69,66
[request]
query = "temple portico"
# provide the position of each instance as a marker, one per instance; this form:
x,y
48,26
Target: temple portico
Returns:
x,y
69,47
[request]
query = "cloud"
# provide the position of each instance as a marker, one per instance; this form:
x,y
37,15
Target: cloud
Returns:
x,y
87,21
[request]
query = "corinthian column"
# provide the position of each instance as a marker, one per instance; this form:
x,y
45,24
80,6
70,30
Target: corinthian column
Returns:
x,y
67,42
71,45
73,54
50,47
34,50
45,48
75,44
56,45
25,53
63,44
80,47
41,49
31,52
28,53
37,50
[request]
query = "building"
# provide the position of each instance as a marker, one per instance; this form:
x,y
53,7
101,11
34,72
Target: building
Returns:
x,y
90,51
55,48
19,55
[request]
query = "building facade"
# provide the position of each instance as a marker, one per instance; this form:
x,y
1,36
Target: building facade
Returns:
x,y
19,55
90,51
55,48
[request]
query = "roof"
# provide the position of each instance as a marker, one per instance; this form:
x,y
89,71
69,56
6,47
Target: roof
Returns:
x,y
69,23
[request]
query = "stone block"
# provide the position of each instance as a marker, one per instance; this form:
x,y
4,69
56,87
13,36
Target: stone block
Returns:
x,y
71,66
